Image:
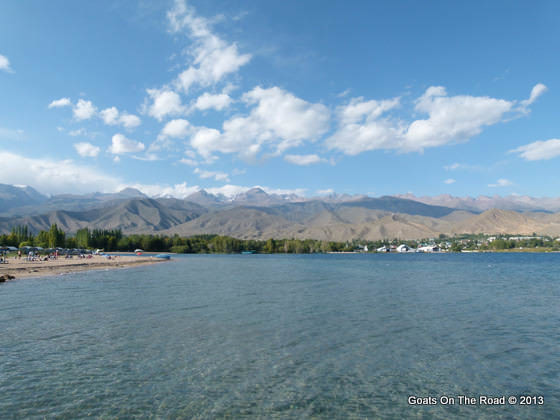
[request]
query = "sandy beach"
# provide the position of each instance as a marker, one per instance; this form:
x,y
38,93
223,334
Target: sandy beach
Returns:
x,y
22,268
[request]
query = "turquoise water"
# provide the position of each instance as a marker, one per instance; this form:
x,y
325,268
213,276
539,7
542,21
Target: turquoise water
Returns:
x,y
259,336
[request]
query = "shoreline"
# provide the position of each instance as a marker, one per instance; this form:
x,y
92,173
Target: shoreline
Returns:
x,y
18,269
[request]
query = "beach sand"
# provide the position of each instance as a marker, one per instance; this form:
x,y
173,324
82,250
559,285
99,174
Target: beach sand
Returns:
x,y
22,268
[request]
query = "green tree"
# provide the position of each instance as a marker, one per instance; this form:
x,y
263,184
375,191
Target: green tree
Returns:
x,y
456,247
82,238
56,237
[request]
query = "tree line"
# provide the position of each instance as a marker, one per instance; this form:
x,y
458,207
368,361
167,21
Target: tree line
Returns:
x,y
114,240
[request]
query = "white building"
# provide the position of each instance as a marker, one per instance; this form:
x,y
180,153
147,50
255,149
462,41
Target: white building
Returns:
x,y
403,248
428,248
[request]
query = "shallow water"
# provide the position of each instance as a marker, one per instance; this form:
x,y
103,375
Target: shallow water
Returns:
x,y
278,336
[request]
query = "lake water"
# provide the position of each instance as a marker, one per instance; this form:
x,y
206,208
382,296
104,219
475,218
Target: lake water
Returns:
x,y
279,336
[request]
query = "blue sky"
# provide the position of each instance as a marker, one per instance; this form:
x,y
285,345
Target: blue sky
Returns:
x,y
310,97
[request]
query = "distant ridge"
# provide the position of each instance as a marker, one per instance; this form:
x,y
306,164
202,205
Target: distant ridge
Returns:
x,y
483,203
260,215
12,196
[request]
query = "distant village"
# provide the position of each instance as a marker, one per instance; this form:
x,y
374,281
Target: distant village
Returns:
x,y
464,243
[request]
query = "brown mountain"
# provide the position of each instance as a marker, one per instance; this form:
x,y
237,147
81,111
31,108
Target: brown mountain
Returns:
x,y
275,217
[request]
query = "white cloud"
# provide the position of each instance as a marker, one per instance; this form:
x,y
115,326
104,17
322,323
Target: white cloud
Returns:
x,y
359,110
453,166
539,150
84,110
282,191
208,101
237,171
5,64
449,181
537,91
328,191
78,132
121,145
110,116
62,102
11,134
54,176
187,161
85,149
364,126
452,119
183,190
213,58
360,127
218,176
129,120
176,129
303,160
502,182
154,190
165,103
147,157
278,119
231,191
205,140
344,93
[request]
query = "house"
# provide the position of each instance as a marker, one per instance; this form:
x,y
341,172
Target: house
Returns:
x,y
429,248
403,248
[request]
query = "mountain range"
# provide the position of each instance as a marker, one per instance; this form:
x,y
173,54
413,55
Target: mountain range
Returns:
x,y
259,215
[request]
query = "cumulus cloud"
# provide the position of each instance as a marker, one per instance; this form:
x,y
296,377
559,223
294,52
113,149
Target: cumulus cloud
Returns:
x,y
112,116
129,120
209,101
176,129
303,160
85,149
502,182
366,125
54,176
218,176
84,110
449,181
121,145
212,57
5,64
359,110
165,102
277,119
360,127
59,103
539,150
452,119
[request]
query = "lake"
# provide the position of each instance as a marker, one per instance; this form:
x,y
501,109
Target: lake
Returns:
x,y
286,336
